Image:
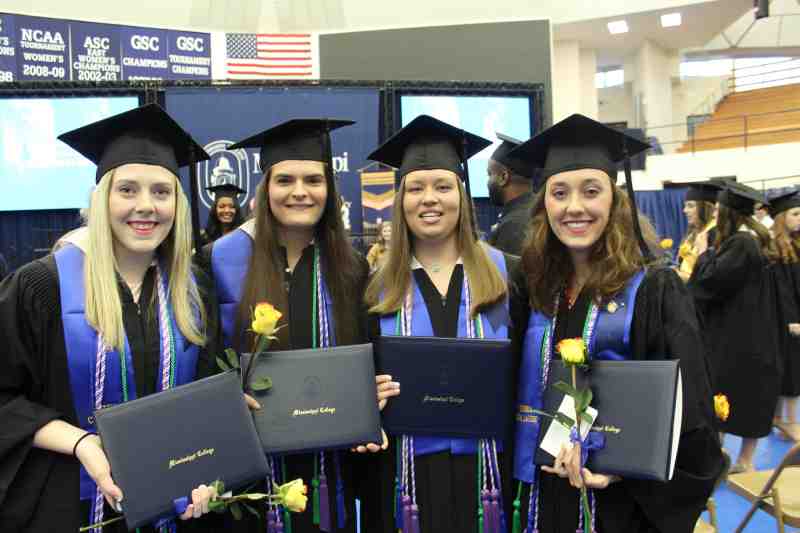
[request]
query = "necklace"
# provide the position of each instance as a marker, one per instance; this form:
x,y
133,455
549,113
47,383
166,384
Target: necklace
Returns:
x,y
436,268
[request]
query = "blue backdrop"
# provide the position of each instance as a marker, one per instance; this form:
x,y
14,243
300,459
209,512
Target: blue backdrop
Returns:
x,y
665,211
217,117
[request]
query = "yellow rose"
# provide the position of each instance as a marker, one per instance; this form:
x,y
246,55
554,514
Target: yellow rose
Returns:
x,y
265,318
721,407
293,495
666,244
573,351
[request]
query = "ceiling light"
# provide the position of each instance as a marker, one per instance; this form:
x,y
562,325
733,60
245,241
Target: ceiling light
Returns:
x,y
618,26
670,19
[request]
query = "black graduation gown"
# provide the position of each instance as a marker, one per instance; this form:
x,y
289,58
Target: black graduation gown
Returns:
x,y
509,234
663,323
787,292
446,484
735,294
300,325
39,489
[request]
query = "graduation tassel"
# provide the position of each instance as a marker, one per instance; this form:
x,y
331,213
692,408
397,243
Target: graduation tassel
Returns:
x,y
407,514
414,518
271,521
324,501
341,511
479,482
516,521
487,513
315,494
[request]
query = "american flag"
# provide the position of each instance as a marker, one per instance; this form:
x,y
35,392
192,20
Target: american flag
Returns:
x,y
270,55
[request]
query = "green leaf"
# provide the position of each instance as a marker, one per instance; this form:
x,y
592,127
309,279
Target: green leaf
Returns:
x,y
586,418
217,506
566,388
233,357
251,510
261,384
222,365
219,486
236,511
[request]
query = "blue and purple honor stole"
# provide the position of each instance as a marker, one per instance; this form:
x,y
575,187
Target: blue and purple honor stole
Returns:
x,y
101,377
607,336
414,320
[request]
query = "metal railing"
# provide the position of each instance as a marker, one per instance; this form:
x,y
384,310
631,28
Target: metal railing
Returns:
x,y
749,128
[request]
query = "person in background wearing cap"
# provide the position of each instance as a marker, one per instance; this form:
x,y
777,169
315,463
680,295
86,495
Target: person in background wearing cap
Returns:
x,y
785,211
585,263
438,280
734,290
226,213
699,210
295,243
510,187
761,214
100,298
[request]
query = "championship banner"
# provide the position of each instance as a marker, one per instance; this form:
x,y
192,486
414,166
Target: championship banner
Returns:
x,y
218,118
37,48
377,196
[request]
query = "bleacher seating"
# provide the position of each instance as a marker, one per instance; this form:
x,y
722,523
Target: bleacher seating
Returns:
x,y
769,116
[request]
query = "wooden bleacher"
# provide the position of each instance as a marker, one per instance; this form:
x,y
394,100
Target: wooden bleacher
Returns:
x,y
727,125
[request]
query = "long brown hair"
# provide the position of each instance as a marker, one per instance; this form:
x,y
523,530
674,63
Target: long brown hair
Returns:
x,y
486,284
787,244
340,265
615,257
730,220
705,212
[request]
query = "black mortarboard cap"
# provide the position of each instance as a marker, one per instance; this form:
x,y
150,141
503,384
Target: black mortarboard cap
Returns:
x,y
301,139
427,144
783,202
145,135
703,192
740,197
501,155
225,189
579,142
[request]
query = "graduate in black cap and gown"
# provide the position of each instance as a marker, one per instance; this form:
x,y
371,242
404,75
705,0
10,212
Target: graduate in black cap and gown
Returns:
x,y
699,209
438,280
98,303
511,183
226,213
785,211
585,267
733,288
296,242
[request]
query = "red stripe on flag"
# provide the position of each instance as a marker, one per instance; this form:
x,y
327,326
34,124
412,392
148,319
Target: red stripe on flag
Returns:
x,y
251,73
254,65
269,50
294,35
294,43
307,58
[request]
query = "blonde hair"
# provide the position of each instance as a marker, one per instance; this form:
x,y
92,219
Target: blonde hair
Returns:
x,y
486,284
103,302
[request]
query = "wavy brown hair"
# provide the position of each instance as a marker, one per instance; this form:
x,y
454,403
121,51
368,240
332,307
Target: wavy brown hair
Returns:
x,y
787,244
615,257
730,220
340,264
486,284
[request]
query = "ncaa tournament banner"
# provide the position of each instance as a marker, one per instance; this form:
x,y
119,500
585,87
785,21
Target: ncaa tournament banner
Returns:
x,y
8,53
43,49
217,118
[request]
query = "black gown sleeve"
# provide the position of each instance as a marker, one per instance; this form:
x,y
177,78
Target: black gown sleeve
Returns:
x,y
665,327
30,379
722,271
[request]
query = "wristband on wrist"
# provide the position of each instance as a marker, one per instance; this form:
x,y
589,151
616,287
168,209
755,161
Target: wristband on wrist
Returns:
x,y
75,448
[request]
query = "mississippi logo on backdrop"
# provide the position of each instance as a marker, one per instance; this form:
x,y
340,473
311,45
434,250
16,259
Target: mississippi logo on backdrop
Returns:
x,y
233,167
